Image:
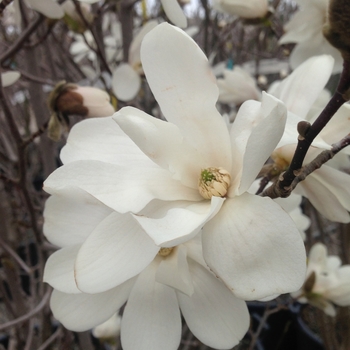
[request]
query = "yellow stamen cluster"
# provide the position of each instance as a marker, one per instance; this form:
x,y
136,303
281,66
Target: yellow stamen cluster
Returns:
x,y
214,182
165,251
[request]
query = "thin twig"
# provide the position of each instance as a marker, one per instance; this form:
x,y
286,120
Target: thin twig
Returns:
x,y
30,314
51,339
282,187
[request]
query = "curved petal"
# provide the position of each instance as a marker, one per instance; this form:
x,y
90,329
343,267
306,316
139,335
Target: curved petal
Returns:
x,y
184,86
254,117
170,224
300,90
80,312
117,250
9,78
263,139
310,48
59,270
214,315
71,215
163,143
48,8
173,271
121,188
126,82
174,12
101,139
254,247
151,318
323,199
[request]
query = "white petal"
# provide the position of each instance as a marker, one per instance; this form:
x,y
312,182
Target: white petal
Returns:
x,y
255,248
101,139
263,139
117,250
300,90
134,50
80,312
151,318
185,88
163,143
49,8
9,78
324,199
174,272
170,224
174,12
214,315
71,215
122,188
59,270
126,82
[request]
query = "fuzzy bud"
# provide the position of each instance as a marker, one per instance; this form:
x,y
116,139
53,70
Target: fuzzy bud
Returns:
x,y
337,29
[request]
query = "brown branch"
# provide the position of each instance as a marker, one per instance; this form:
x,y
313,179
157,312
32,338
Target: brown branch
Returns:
x,y
322,158
281,188
3,5
17,45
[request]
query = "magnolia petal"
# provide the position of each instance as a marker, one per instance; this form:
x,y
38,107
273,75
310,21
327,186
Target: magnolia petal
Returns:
x,y
185,88
80,312
174,12
101,139
262,140
300,90
170,224
323,198
173,271
48,8
71,215
254,247
245,9
151,318
126,82
311,48
213,314
135,46
117,250
121,188
9,78
59,270
163,143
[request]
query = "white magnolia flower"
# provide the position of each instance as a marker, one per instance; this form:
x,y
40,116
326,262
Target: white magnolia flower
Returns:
x,y
243,8
327,282
328,189
126,81
164,281
237,86
174,12
166,172
305,29
75,18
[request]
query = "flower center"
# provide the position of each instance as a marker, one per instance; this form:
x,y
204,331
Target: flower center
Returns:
x,y
165,251
214,182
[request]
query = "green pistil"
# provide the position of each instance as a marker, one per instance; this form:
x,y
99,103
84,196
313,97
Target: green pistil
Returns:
x,y
207,176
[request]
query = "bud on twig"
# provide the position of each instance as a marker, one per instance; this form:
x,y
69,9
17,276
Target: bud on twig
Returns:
x,y
337,29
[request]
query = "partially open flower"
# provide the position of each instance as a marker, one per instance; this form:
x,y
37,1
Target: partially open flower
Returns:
x,y
243,8
327,282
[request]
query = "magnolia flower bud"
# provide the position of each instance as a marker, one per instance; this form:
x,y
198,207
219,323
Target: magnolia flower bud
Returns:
x,y
337,30
67,99
81,100
214,182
